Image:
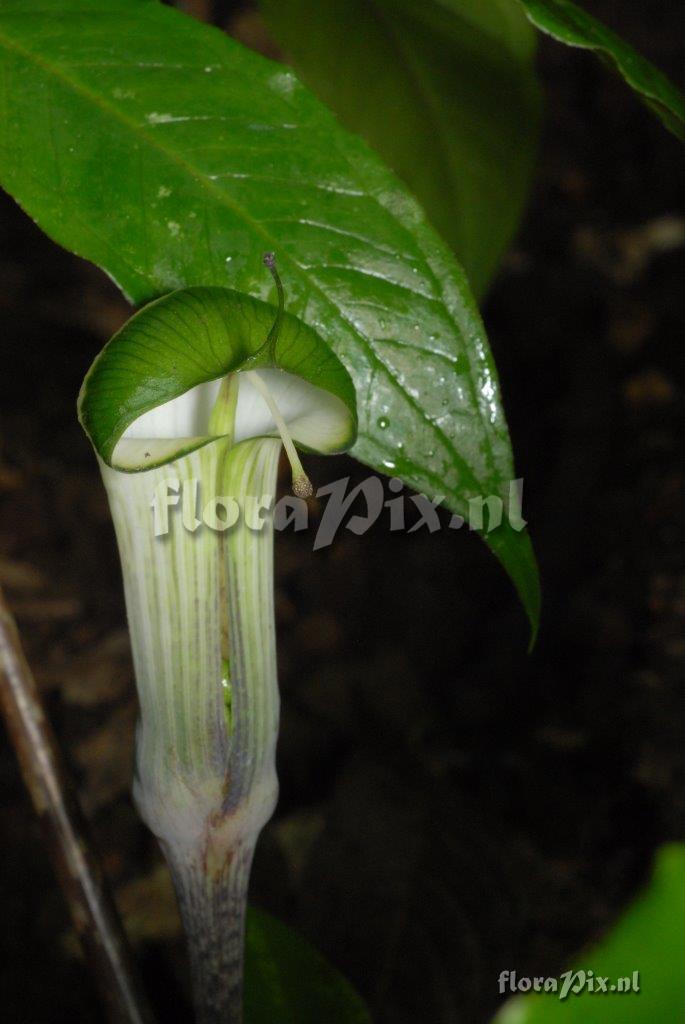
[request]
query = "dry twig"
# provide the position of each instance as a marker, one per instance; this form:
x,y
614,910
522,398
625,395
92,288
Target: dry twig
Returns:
x,y
79,874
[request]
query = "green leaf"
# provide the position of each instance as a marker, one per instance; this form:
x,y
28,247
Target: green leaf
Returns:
x,y
288,982
444,90
192,337
570,24
649,939
171,156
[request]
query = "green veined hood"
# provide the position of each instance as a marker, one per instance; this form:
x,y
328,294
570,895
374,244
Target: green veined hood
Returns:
x,y
148,397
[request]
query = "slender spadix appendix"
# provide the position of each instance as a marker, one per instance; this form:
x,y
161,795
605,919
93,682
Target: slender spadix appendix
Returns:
x,y
203,386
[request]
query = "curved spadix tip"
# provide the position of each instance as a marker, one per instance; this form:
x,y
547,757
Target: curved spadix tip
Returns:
x,y
302,487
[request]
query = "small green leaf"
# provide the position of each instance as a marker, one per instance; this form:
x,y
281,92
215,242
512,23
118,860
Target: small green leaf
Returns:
x,y
288,982
444,90
649,939
195,336
173,157
572,25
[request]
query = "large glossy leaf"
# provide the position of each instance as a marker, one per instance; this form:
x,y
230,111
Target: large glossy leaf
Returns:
x,y
649,939
171,156
288,982
572,25
444,90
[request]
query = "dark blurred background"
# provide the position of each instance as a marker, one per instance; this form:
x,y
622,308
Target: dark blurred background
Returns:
x,y
450,807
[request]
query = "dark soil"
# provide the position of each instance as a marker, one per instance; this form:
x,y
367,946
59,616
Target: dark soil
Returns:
x,y
450,807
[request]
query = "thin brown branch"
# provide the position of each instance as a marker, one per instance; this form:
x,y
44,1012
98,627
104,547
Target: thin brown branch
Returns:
x,y
80,876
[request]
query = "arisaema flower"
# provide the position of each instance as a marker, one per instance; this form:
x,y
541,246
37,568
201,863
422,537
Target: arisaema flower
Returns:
x,y
198,392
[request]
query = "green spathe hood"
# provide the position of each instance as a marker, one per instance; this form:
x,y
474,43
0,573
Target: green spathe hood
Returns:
x,y
147,398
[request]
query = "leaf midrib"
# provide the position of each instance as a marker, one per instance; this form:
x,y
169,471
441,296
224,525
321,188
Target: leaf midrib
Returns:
x,y
224,198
